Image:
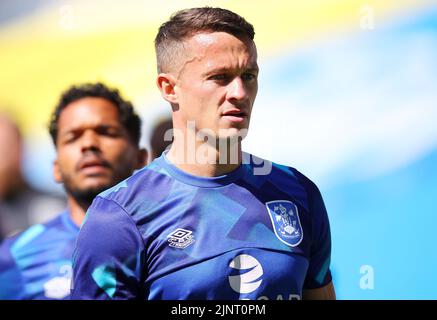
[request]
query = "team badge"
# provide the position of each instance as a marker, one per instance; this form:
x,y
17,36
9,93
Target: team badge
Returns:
x,y
285,220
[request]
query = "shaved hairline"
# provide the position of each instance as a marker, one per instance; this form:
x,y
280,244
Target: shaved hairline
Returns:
x,y
168,53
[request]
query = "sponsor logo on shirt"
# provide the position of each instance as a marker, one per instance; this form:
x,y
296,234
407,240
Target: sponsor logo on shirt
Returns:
x,y
59,287
180,238
249,280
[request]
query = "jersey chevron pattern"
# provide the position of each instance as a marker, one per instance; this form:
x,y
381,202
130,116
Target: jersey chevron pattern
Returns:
x,y
165,234
36,264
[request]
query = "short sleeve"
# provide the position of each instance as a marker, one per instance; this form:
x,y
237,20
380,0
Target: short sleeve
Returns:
x,y
318,274
108,258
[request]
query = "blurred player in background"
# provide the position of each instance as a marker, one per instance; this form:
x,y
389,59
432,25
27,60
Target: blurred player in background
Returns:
x,y
205,220
96,135
161,137
21,205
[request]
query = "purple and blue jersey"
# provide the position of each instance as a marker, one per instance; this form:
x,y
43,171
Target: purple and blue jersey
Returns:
x,y
36,264
166,234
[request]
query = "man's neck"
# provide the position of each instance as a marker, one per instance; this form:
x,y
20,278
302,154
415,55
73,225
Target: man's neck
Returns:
x,y
205,160
77,210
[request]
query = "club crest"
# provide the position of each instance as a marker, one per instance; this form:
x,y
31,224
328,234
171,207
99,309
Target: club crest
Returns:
x,y
285,220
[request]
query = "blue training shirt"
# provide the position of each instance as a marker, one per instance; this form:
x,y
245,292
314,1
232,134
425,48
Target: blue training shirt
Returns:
x,y
166,234
36,264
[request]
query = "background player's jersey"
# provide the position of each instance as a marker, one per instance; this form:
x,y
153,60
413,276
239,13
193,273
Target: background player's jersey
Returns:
x,y
36,264
165,234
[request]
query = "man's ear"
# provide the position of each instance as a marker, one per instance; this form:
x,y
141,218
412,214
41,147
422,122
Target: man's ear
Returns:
x,y
166,83
142,158
57,172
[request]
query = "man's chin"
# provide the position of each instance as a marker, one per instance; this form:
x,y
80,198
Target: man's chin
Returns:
x,y
96,181
232,134
97,188
86,194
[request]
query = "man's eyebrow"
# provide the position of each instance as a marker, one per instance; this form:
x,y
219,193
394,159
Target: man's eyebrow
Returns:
x,y
216,70
98,127
252,68
69,130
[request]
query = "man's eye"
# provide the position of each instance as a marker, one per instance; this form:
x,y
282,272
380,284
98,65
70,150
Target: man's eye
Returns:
x,y
107,132
219,77
248,76
111,132
70,138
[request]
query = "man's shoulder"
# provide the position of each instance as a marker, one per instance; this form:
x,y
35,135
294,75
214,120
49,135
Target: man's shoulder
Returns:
x,y
17,248
42,246
274,171
285,178
145,186
295,175
27,240
10,274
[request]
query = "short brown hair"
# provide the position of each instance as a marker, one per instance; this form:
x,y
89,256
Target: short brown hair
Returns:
x,y
186,23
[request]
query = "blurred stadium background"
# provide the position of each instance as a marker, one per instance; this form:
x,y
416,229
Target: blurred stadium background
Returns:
x,y
347,94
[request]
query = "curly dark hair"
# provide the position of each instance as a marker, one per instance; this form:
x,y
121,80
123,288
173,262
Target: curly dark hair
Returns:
x,y
128,117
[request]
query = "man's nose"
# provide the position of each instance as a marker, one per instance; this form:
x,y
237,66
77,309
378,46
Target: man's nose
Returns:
x,y
90,140
237,89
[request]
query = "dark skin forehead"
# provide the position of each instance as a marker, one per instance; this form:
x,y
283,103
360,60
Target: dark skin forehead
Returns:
x,y
88,113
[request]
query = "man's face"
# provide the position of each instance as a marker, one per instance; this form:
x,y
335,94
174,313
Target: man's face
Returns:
x,y
217,83
10,165
94,151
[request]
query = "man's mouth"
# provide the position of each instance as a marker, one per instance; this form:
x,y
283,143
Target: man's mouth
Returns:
x,y
234,115
94,166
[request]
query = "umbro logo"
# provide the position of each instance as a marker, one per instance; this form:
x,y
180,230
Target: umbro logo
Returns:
x,y
180,238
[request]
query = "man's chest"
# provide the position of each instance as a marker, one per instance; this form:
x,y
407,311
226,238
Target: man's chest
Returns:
x,y
219,249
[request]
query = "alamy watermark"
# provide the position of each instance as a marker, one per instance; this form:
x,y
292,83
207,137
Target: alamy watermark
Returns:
x,y
66,17
201,146
367,280
367,17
